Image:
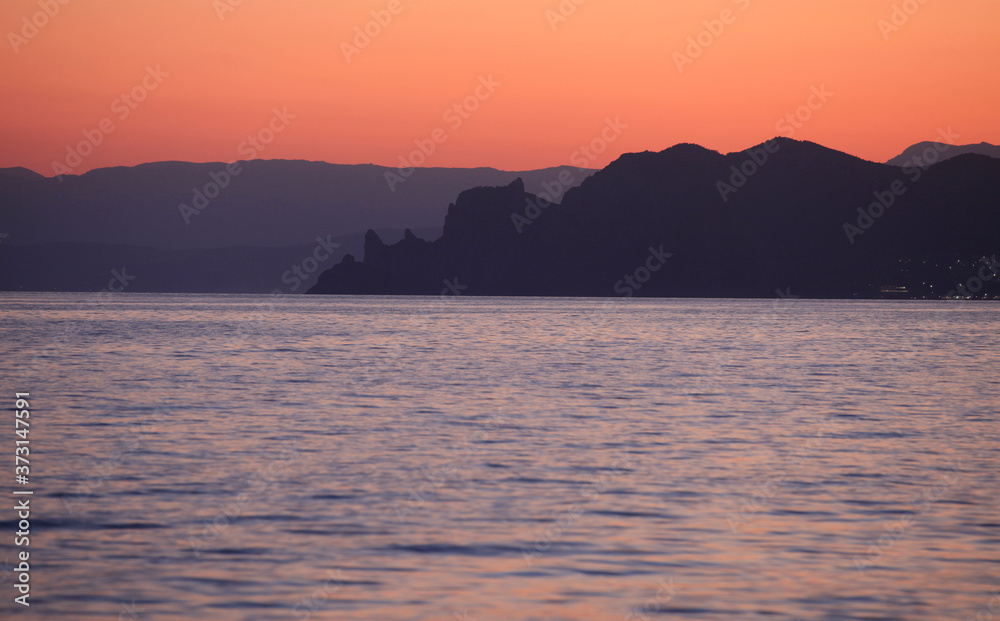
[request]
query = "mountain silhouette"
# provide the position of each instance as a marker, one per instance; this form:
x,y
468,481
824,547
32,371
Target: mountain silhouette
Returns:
x,y
929,153
784,216
269,203
69,232
74,266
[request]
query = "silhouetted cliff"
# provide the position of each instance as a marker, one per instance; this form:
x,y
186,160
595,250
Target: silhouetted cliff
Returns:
x,y
693,222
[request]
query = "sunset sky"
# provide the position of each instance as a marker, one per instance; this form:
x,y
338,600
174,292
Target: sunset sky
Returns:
x,y
215,71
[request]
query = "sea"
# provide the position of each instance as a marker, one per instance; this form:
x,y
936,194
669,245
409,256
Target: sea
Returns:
x,y
462,458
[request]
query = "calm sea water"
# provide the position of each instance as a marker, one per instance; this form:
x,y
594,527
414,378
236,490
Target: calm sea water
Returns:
x,y
235,457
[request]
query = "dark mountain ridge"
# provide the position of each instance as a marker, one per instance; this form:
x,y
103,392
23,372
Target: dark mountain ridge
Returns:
x,y
236,233
924,153
784,214
267,203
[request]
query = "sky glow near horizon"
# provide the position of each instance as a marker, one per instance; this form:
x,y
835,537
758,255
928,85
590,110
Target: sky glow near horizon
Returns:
x,y
516,85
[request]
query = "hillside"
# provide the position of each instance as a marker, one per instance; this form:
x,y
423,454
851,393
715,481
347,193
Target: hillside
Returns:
x,y
783,215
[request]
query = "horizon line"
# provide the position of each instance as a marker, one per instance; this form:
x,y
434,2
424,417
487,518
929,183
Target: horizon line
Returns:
x,y
502,170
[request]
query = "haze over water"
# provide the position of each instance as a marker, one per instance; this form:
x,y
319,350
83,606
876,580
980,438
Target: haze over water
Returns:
x,y
226,457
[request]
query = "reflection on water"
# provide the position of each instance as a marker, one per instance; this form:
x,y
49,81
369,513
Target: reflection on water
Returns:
x,y
232,457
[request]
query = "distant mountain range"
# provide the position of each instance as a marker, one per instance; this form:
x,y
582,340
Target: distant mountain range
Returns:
x,y
184,227
783,218
929,153
266,226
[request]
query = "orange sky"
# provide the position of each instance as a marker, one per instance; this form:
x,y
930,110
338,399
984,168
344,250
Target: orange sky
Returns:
x,y
558,80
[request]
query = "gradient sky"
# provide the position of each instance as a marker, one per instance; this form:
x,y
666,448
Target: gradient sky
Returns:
x,y
558,81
